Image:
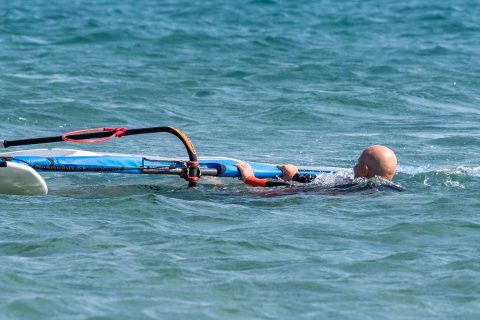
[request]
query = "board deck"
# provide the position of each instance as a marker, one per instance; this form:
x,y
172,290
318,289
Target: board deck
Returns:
x,y
69,160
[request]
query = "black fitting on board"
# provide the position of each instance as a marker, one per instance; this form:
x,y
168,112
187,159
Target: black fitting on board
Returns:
x,y
191,172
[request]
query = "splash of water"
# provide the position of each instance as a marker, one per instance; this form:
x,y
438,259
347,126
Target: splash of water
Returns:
x,y
334,179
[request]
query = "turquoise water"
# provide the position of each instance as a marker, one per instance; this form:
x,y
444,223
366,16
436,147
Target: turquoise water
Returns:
x,y
305,82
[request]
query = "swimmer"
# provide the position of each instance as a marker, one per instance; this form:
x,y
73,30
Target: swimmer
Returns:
x,y
374,161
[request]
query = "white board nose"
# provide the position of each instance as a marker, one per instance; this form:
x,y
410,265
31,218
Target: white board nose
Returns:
x,y
20,179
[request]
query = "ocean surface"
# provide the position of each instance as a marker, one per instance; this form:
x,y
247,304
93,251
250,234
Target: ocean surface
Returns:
x,y
276,81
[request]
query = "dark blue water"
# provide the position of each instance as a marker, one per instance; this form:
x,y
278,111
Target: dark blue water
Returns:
x,y
304,82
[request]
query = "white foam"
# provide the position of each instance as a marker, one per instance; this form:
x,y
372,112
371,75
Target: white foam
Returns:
x,y
452,183
334,179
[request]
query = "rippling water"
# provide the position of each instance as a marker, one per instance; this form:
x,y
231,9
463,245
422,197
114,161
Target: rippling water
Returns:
x,y
305,82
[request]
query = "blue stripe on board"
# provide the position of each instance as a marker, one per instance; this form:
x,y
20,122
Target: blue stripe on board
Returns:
x,y
128,164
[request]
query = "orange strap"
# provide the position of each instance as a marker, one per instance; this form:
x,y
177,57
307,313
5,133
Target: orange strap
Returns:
x,y
116,132
255,182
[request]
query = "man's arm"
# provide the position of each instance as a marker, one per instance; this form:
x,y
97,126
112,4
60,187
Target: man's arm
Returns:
x,y
289,173
249,178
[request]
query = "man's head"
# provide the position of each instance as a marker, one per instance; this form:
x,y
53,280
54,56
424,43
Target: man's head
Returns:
x,y
376,161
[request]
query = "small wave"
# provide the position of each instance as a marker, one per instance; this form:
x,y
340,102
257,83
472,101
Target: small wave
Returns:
x,y
32,40
382,69
101,37
460,170
453,178
432,51
465,171
411,170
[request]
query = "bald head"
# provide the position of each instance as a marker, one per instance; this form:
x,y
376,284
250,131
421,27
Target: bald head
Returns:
x,y
376,161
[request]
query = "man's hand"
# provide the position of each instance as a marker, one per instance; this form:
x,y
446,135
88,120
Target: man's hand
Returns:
x,y
288,171
245,170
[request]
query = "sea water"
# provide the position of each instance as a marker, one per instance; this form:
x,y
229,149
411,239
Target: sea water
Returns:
x,y
276,81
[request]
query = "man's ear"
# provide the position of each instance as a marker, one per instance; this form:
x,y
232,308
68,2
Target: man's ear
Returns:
x,y
365,169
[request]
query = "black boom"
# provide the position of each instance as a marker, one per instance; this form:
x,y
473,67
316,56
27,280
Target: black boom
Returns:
x,y
191,172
